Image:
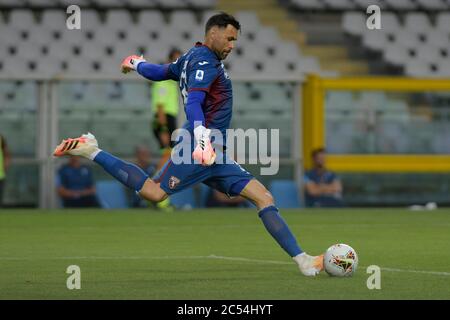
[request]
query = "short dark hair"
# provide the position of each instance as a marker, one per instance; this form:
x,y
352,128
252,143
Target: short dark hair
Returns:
x,y
315,152
221,20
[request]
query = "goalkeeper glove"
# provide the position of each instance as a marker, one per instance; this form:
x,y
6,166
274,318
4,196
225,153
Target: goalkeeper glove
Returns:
x,y
203,152
131,63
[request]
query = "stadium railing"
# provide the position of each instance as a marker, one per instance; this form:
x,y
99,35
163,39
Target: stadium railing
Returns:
x,y
413,160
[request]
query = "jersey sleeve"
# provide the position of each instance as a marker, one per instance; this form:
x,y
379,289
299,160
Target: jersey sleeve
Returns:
x,y
201,75
174,69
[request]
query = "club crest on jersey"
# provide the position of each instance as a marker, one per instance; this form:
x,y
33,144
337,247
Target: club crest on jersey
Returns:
x,y
173,182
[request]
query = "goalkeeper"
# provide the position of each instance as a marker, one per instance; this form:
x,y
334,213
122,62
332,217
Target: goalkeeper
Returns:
x,y
207,96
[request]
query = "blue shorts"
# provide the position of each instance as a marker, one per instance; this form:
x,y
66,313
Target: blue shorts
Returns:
x,y
229,177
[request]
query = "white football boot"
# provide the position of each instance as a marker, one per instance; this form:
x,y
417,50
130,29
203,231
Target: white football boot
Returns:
x,y
310,266
84,146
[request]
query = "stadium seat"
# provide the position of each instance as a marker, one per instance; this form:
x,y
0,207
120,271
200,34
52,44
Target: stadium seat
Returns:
x,y
183,20
443,22
363,4
432,4
53,19
354,22
401,4
13,3
151,20
111,194
21,19
81,3
285,193
184,199
417,22
339,4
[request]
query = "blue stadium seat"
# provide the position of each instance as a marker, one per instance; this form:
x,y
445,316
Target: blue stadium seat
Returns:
x,y
285,193
111,194
184,199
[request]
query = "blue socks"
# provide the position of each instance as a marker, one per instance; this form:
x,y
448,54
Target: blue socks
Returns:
x,y
279,230
129,174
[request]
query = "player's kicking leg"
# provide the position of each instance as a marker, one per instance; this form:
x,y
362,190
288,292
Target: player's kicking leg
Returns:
x,y
129,174
277,227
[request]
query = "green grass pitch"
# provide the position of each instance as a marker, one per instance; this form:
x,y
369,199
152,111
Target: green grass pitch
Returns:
x,y
218,254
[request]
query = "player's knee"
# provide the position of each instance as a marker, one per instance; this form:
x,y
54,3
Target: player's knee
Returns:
x,y
265,200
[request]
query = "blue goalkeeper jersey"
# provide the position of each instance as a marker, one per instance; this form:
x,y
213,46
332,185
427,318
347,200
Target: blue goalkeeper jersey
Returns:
x,y
200,69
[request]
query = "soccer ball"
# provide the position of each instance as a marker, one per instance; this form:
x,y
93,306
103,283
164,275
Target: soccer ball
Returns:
x,y
340,260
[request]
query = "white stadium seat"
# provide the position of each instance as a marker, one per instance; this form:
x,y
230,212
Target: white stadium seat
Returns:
x,y
432,4
80,3
13,3
354,22
183,20
109,3
339,4
443,22
267,36
249,21
364,4
41,3
54,19
21,19
401,4
389,22
286,51
407,38
437,38
308,4
151,20
428,53
396,54
140,3
375,40
119,20
40,36
417,22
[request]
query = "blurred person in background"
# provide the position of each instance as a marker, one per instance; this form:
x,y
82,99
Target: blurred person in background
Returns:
x,y
322,187
5,160
76,185
143,160
165,99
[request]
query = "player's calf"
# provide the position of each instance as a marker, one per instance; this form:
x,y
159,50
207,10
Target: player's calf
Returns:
x,y
152,191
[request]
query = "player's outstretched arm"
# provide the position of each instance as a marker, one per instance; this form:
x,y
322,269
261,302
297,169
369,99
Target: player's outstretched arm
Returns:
x,y
151,71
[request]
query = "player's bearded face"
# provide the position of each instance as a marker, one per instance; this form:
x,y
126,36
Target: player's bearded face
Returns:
x,y
224,40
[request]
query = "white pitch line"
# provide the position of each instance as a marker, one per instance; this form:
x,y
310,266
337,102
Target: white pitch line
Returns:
x,y
437,273
212,256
